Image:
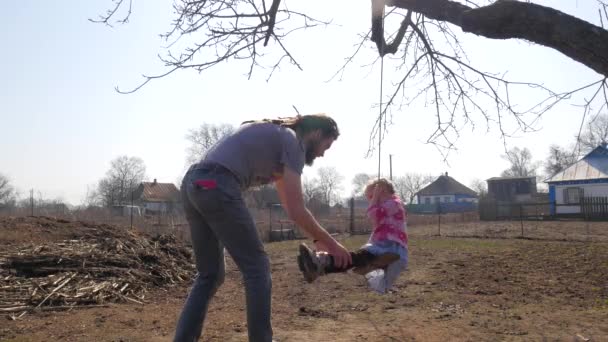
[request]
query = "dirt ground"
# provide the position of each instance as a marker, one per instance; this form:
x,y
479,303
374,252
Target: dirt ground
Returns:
x,y
457,289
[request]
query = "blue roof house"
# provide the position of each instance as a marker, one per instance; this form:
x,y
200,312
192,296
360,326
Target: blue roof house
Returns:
x,y
588,177
445,195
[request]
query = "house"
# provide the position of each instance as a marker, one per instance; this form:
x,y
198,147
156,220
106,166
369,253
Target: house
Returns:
x,y
446,189
512,189
588,177
157,197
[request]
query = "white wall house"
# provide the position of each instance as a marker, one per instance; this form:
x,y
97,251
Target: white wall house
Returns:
x,y
587,177
446,189
157,198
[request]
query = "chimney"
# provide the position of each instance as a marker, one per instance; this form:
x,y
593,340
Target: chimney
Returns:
x,y
154,181
446,173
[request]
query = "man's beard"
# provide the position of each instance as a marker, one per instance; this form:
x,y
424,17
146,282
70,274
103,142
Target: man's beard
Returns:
x,y
311,149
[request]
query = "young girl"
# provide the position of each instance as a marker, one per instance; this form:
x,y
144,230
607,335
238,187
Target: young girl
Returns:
x,y
384,256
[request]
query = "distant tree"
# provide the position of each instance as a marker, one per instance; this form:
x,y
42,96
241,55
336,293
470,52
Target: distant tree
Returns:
x,y
480,187
260,197
123,177
53,206
408,185
329,184
559,159
521,163
91,198
595,133
310,188
203,138
7,192
359,182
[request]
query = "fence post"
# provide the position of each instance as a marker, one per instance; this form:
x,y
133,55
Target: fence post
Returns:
x,y
584,208
521,218
439,217
270,222
352,215
131,209
32,200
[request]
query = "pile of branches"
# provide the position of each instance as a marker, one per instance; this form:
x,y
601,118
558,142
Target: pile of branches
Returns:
x,y
92,271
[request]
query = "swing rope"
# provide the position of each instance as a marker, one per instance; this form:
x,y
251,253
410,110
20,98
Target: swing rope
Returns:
x,y
381,89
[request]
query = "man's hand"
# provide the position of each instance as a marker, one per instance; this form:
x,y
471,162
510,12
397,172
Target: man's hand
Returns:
x,y
341,255
289,188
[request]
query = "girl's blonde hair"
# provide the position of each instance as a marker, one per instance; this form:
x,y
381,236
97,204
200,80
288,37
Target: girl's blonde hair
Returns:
x,y
387,184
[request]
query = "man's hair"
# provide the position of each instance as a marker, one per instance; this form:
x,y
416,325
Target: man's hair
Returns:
x,y
304,124
381,181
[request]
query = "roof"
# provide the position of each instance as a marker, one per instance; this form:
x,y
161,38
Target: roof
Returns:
x,y
509,178
158,192
446,185
592,166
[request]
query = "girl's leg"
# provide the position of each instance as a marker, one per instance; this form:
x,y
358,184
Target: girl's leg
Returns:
x,y
314,264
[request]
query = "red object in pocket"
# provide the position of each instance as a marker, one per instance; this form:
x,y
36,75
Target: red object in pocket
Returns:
x,y
206,183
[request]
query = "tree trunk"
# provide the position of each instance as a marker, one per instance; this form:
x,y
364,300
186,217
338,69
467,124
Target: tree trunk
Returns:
x,y
576,38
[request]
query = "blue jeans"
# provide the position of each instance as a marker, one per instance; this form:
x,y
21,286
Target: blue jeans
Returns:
x,y
382,280
219,219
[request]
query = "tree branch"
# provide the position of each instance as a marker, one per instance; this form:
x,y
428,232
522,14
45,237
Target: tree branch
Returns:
x,y
575,38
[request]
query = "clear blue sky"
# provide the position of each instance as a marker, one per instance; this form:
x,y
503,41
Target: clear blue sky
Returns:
x,y
62,122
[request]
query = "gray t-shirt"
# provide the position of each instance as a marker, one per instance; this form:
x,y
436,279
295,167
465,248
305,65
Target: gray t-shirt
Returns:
x,y
257,152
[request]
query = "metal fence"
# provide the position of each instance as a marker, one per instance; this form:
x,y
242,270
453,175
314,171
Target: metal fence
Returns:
x,y
442,208
594,208
589,208
274,224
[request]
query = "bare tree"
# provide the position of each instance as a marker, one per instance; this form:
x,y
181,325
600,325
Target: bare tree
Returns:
x,y
408,185
123,177
329,184
480,187
596,133
359,182
7,192
91,198
434,67
310,188
203,138
521,163
559,159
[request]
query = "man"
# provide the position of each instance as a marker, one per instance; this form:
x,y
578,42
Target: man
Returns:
x,y
259,152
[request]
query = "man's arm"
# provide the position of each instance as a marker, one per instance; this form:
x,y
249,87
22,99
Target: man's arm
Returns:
x,y
289,188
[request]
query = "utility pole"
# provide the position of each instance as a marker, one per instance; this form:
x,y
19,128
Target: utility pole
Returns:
x,y
32,201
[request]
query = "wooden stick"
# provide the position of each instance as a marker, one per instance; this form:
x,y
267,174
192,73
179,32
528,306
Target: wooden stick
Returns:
x,y
52,308
56,289
15,309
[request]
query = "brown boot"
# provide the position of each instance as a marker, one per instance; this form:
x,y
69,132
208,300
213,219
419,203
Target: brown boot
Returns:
x,y
309,263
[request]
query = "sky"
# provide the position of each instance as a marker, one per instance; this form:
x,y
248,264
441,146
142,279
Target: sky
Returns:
x,y
62,122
